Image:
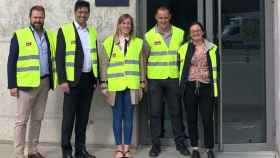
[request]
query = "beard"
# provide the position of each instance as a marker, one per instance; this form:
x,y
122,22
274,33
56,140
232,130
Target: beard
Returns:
x,y
37,26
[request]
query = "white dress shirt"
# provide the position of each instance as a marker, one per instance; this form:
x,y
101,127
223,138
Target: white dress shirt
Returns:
x,y
122,42
84,37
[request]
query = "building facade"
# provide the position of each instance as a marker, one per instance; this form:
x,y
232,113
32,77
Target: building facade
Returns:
x,y
247,116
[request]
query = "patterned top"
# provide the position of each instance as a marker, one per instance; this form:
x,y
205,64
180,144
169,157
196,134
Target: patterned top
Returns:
x,y
199,68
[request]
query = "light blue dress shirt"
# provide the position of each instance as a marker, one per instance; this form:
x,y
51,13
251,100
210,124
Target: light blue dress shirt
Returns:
x,y
43,52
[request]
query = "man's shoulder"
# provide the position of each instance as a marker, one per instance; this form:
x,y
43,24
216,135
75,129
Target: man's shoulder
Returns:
x,y
184,46
150,31
23,29
138,39
68,24
67,27
177,29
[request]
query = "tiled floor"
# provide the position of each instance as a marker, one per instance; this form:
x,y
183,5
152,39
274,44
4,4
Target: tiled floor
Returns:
x,y
6,151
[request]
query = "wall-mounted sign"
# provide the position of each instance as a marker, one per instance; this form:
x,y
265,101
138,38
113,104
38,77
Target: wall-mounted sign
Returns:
x,y
112,3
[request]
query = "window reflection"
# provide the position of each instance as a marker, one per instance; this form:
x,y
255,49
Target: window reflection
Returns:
x,y
241,31
243,56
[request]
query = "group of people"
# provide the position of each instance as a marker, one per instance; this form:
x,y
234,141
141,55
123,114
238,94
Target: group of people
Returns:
x,y
167,67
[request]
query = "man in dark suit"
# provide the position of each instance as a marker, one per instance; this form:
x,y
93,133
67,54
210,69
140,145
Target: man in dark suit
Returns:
x,y
77,75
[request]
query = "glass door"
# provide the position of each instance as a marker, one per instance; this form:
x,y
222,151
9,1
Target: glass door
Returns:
x,y
239,30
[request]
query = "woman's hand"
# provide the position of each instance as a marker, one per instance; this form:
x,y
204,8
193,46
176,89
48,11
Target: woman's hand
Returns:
x,y
104,89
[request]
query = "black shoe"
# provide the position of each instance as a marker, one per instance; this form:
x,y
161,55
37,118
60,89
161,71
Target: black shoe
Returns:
x,y
195,154
211,154
67,155
83,154
155,151
182,148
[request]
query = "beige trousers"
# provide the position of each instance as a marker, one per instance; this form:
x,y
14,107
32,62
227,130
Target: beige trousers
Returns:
x,y
30,103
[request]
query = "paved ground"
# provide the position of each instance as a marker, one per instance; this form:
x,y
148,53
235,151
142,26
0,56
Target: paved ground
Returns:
x,y
6,151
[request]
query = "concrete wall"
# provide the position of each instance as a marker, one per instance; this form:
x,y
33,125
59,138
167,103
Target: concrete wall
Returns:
x,y
13,15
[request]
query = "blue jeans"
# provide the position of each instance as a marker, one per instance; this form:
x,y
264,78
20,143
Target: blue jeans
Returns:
x,y
123,117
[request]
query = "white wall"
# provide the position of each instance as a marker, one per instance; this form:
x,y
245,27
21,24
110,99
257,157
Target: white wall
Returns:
x,y
13,15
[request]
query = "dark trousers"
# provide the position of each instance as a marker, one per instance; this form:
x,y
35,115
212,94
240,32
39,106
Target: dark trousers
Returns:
x,y
123,117
198,96
76,107
161,90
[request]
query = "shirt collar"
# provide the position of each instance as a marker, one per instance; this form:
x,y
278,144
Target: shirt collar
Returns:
x,y
122,38
78,27
118,39
33,30
158,31
207,45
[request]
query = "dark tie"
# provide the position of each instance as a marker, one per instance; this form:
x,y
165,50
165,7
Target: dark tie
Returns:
x,y
125,46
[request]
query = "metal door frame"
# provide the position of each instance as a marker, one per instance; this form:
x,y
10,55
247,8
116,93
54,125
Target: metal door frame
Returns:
x,y
267,5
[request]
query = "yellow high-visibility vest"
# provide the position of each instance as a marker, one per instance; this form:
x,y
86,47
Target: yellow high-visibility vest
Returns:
x,y
70,41
123,70
162,62
28,63
213,59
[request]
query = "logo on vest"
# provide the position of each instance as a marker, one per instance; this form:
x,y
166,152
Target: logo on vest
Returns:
x,y
28,44
157,43
114,54
73,42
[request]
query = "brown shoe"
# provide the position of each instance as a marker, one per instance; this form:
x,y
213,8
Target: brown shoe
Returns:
x,y
36,155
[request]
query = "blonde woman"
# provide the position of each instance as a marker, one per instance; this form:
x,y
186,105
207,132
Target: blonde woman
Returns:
x,y
122,80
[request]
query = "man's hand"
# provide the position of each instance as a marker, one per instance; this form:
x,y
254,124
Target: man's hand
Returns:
x,y
103,85
14,92
144,85
64,87
105,92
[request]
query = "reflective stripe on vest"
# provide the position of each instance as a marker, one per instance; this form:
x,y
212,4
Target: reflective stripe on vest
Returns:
x,y
123,71
70,41
214,59
28,63
212,53
162,62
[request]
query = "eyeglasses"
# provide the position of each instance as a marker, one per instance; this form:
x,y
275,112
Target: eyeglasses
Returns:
x,y
196,31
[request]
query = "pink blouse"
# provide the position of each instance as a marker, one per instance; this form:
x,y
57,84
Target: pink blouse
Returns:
x,y
199,68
